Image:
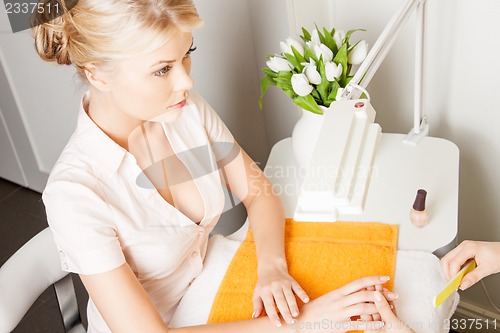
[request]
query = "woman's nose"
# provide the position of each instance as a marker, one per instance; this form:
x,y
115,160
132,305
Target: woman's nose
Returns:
x,y
184,80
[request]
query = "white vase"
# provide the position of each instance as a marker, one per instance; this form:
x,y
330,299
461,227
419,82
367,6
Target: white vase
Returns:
x,y
305,134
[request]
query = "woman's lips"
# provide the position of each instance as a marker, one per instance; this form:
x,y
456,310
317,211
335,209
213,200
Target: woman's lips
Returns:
x,y
178,105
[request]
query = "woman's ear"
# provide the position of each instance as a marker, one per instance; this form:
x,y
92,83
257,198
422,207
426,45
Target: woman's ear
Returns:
x,y
97,78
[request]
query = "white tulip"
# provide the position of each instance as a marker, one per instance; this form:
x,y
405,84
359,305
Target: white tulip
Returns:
x,y
286,46
301,85
358,53
323,50
312,73
278,64
333,71
315,37
338,37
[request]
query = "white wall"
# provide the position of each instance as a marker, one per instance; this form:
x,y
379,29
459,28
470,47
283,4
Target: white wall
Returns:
x,y
462,80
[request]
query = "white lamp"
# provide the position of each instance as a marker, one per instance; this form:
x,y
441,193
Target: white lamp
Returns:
x,y
379,51
339,172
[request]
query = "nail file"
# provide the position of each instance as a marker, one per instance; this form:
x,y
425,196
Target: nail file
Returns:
x,y
454,283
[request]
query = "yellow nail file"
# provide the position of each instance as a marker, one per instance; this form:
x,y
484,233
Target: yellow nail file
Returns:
x,y
454,283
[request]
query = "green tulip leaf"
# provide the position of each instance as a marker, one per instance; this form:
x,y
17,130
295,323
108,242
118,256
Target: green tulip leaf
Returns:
x,y
333,91
350,32
294,61
321,37
341,58
308,54
269,72
265,83
290,93
306,35
330,42
308,103
323,86
284,80
316,96
300,58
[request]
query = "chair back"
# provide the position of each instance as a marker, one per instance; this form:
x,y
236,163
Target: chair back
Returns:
x,y
27,274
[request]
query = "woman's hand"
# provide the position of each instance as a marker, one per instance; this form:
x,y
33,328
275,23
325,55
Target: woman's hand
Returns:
x,y
334,309
486,254
277,289
387,312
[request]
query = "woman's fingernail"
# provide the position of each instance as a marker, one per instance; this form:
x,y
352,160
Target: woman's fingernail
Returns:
x,y
292,321
465,285
378,296
253,314
393,295
295,314
278,323
384,278
307,300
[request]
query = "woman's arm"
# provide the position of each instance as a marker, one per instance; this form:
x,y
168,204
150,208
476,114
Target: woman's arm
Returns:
x,y
127,308
265,211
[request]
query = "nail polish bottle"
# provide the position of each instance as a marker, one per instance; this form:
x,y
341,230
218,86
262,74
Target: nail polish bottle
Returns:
x,y
418,214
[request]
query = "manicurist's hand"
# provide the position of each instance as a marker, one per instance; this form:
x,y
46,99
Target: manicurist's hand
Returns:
x,y
387,312
486,254
334,309
275,288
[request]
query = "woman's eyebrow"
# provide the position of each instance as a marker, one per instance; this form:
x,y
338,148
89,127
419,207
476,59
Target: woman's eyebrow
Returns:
x,y
163,62
171,61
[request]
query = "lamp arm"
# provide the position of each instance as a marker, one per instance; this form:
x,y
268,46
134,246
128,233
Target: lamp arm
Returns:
x,y
379,50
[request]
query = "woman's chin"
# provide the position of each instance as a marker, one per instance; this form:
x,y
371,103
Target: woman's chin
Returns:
x,y
168,116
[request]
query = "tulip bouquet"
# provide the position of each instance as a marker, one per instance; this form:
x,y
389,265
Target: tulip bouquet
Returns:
x,y
315,71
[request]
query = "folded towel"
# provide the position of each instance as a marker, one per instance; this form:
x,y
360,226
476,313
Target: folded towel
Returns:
x,y
418,279
321,256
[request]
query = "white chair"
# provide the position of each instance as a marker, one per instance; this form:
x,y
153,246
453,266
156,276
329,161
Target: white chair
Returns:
x,y
27,274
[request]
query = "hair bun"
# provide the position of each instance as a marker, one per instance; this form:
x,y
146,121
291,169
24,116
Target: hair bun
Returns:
x,y
51,41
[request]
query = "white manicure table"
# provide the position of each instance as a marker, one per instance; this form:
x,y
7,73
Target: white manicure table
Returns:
x,y
399,170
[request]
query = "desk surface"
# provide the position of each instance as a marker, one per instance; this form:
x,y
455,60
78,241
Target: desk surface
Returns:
x,y
399,171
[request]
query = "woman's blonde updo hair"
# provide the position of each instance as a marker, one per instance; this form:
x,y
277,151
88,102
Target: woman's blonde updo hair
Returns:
x,y
99,31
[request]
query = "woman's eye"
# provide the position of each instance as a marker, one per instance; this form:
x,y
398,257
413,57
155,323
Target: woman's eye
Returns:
x,y
191,50
162,71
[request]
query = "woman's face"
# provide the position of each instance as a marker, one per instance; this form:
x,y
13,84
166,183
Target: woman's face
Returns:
x,y
154,86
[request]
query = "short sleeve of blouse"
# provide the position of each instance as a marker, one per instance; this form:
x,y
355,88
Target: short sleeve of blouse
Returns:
x,y
220,136
82,225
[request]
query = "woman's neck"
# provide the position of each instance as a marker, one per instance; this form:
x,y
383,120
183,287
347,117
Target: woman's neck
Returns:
x,y
112,121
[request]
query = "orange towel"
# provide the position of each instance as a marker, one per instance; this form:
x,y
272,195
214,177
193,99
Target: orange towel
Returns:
x,y
320,256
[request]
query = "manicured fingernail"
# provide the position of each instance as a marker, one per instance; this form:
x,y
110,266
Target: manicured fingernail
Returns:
x,y
378,296
295,314
307,300
253,314
465,285
278,323
292,321
393,295
384,278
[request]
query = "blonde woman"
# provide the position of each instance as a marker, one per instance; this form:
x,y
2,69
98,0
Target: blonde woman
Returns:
x,y
129,208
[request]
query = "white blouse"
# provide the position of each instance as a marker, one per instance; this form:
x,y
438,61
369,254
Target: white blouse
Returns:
x,y
103,212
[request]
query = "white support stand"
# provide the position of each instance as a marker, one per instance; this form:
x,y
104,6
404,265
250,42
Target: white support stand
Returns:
x,y
337,177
